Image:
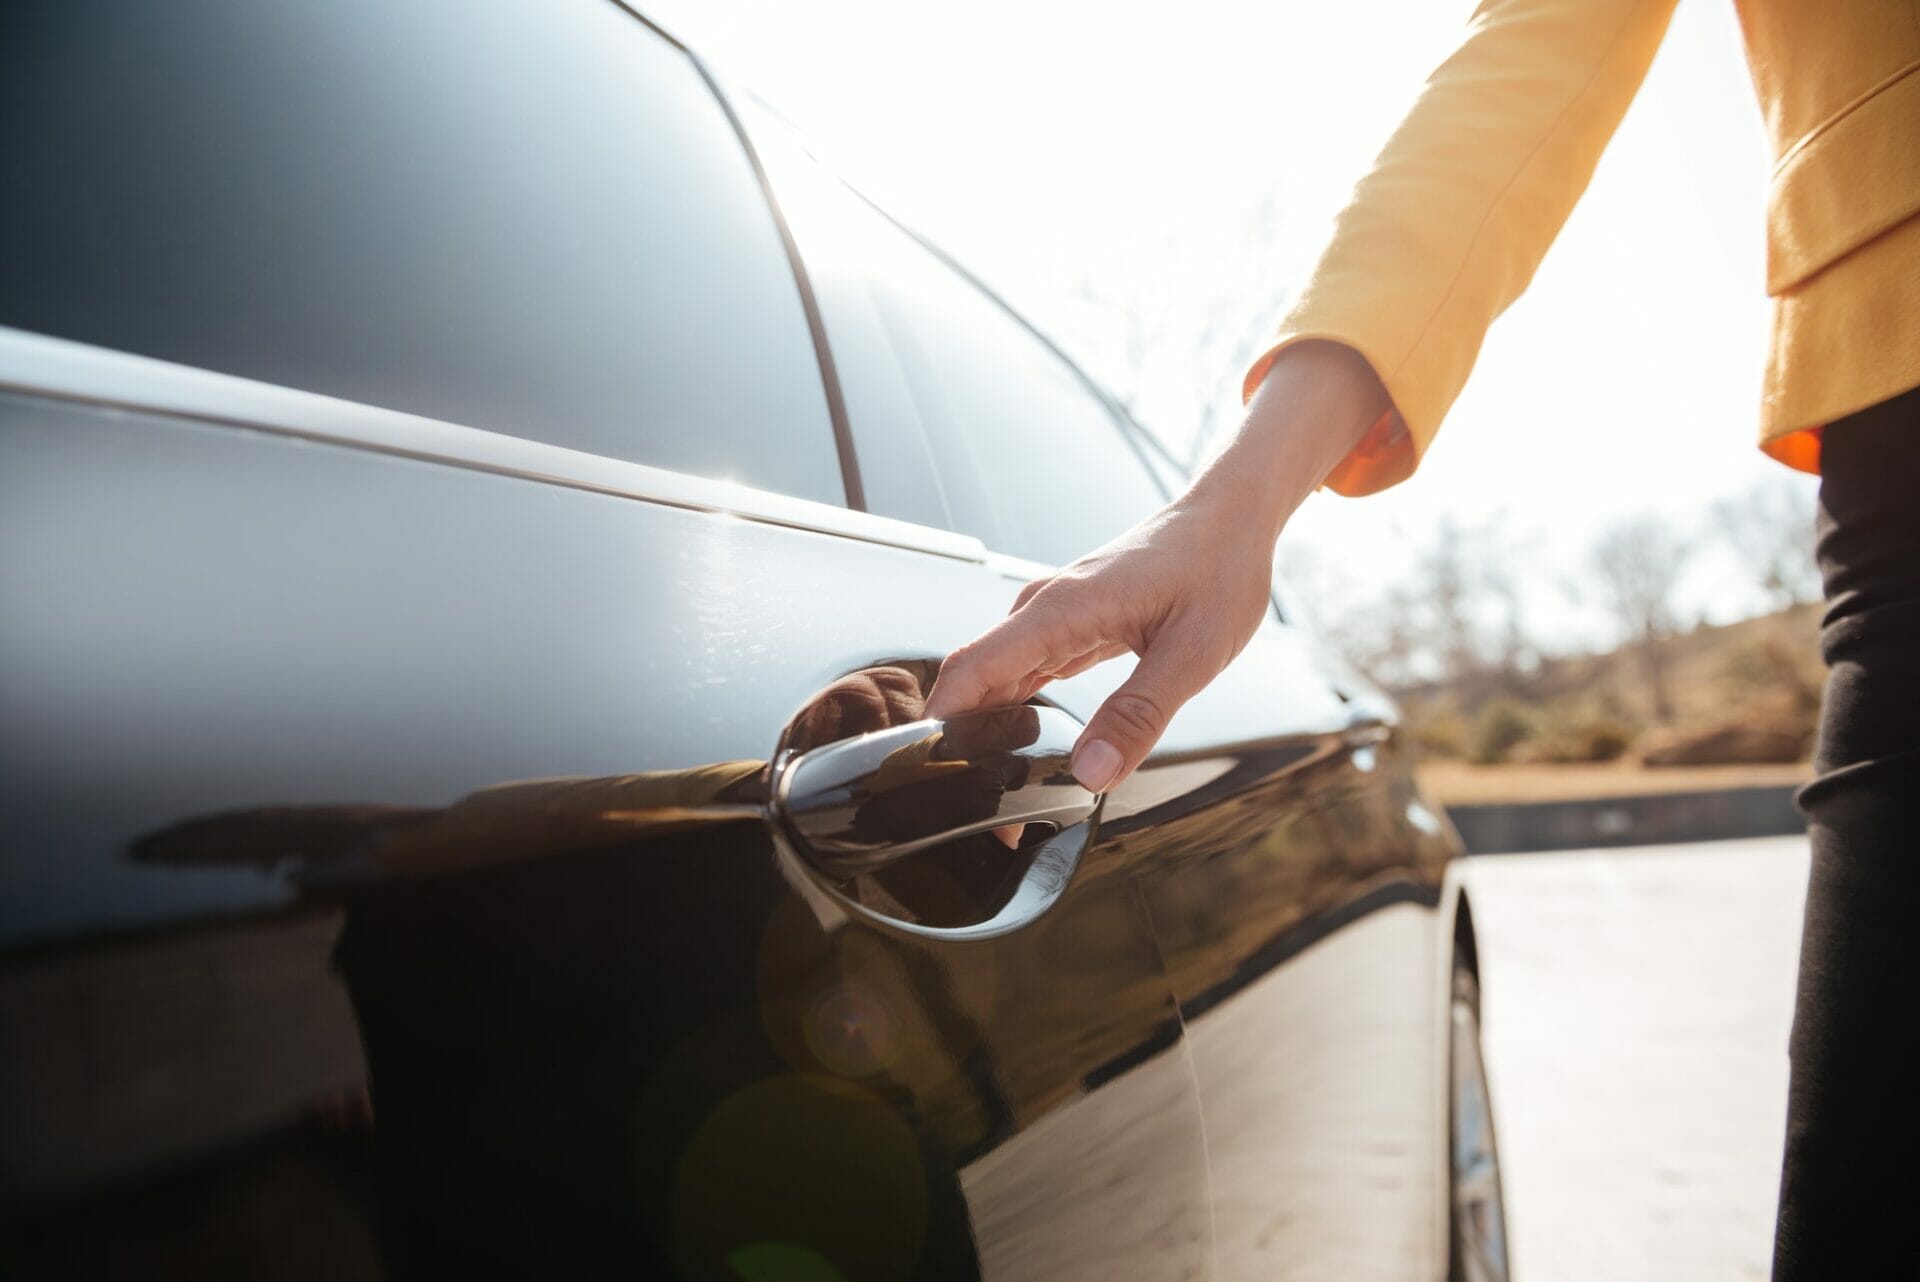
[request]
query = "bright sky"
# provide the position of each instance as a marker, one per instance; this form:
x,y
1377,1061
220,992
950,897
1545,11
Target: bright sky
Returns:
x,y
1148,189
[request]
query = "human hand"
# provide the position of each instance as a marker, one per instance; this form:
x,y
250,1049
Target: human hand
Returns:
x,y
1186,588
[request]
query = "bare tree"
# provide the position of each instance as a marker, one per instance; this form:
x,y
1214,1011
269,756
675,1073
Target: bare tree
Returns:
x,y
1461,602
1770,528
1462,581
1366,629
1444,581
1637,564
1453,615
1177,327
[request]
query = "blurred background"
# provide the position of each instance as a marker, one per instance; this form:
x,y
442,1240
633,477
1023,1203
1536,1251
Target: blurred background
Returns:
x,y
1596,587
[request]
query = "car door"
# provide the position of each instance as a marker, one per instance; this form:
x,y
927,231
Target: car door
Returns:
x,y
1295,878
1326,1162
437,660
1303,902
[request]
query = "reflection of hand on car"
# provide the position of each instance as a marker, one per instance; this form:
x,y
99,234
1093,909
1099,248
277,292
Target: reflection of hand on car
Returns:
x,y
882,697
985,733
859,703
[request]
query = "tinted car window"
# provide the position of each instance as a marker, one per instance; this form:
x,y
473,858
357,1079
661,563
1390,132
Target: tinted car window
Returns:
x,y
847,244
533,218
1031,459
961,417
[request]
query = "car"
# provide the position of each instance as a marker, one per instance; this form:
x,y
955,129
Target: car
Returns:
x,y
483,506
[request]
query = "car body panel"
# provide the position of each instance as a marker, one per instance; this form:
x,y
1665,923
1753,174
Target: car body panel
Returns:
x,y
256,681
393,879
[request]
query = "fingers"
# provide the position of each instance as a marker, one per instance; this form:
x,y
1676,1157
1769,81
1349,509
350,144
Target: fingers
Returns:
x,y
1061,671
1091,658
1184,590
1133,718
1001,665
1006,656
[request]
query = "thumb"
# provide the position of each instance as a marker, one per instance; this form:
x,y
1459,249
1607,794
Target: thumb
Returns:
x,y
1134,717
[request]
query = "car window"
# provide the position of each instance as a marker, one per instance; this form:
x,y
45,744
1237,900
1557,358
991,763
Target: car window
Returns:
x,y
1031,459
532,218
839,235
961,417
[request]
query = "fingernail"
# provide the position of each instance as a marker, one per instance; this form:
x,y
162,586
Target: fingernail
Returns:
x,y
1096,765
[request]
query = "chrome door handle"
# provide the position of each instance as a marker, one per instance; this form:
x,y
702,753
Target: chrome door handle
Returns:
x,y
861,803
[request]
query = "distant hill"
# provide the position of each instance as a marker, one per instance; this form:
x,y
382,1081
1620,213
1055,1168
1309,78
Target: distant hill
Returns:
x,y
1746,692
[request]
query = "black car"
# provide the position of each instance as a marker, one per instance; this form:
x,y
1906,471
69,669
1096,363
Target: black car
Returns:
x,y
480,510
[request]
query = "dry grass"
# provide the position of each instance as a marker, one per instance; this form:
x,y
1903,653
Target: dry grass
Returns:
x,y
1456,783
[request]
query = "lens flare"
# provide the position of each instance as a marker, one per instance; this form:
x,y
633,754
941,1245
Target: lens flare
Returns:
x,y
853,1030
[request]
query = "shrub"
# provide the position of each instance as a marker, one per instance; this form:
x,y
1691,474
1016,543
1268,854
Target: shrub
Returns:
x,y
1604,740
1732,743
1499,727
1580,730
1437,728
1771,667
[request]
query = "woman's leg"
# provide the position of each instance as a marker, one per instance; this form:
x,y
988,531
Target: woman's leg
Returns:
x,y
1850,1189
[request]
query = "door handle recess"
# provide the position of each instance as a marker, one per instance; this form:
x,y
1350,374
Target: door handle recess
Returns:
x,y
861,803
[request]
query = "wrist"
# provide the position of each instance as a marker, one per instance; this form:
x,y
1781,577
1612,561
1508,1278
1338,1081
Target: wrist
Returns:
x,y
1315,403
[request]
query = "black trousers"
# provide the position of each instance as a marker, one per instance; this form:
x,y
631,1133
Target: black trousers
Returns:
x,y
1850,1188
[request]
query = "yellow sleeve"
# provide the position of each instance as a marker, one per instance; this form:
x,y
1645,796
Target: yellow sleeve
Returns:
x,y
1462,204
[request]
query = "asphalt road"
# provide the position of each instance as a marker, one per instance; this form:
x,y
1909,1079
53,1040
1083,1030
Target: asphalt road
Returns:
x,y
1637,1005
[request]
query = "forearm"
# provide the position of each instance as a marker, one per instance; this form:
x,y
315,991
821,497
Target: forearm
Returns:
x,y
1312,408
1461,205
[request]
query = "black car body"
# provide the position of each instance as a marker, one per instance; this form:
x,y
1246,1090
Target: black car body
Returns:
x,y
479,510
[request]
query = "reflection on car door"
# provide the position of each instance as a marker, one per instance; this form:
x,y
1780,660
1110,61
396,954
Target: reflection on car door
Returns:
x,y
1293,876
603,1018
391,876
704,1042
1296,884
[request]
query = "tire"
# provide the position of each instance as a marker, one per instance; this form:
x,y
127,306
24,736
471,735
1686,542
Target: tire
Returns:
x,y
1477,1205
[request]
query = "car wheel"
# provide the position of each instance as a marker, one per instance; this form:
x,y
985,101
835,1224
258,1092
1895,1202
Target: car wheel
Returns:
x,y
1479,1219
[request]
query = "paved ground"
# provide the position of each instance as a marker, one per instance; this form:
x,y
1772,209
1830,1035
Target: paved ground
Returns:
x,y
1637,1004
